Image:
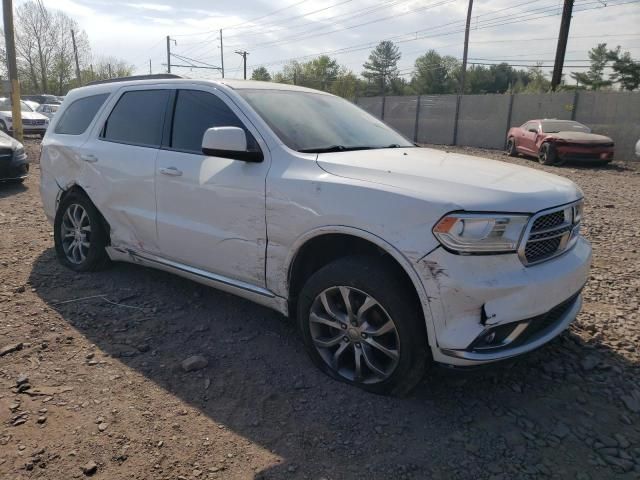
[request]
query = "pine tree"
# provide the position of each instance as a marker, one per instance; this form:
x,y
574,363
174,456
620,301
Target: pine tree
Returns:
x,y
382,65
594,78
626,71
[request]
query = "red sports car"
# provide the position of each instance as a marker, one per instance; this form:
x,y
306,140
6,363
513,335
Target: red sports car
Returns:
x,y
554,142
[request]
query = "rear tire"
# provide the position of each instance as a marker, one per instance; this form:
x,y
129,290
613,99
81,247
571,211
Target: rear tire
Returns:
x,y
547,154
512,151
378,342
80,235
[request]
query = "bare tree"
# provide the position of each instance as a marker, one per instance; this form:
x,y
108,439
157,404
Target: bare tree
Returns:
x,y
44,46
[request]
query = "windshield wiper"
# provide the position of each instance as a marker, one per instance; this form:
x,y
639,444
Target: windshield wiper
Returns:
x,y
334,148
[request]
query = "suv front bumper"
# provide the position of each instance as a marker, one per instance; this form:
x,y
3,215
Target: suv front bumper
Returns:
x,y
486,308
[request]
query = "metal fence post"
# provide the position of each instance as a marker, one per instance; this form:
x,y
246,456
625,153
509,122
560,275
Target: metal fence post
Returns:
x,y
455,120
415,124
508,118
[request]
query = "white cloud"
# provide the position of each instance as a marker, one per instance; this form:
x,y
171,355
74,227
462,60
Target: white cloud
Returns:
x,y
137,31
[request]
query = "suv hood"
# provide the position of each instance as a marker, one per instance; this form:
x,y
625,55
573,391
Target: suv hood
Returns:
x,y
581,137
461,182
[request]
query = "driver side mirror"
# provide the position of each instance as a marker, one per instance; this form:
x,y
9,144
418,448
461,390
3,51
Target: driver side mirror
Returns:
x,y
228,142
534,130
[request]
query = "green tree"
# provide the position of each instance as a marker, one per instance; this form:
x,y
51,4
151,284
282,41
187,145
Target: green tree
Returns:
x,y
435,74
594,78
261,73
320,72
345,84
626,71
382,65
538,82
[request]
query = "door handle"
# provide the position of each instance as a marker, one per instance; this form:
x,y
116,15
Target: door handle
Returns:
x,y
171,171
89,158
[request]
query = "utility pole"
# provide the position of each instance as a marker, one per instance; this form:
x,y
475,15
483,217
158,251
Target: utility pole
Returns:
x,y
75,53
221,55
168,54
466,48
10,45
562,44
150,72
243,54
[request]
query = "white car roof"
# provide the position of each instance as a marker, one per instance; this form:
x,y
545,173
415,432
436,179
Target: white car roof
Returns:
x,y
110,86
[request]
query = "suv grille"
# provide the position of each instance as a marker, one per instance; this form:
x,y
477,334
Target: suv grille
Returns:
x,y
550,233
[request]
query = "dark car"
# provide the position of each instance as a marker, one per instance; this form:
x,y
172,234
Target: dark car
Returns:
x,y
50,99
556,141
14,165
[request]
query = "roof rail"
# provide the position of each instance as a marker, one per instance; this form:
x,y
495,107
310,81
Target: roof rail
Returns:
x,y
157,76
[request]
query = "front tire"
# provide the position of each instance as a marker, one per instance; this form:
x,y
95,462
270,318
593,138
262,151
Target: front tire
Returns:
x,y
360,326
547,154
80,235
512,151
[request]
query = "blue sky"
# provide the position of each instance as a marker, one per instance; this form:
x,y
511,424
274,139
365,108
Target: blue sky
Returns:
x,y
277,30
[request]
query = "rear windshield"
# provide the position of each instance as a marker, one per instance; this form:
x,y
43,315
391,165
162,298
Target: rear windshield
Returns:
x,y
79,115
555,127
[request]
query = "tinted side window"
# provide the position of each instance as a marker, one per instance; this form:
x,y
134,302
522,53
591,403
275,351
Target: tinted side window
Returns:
x,y
195,112
77,117
138,118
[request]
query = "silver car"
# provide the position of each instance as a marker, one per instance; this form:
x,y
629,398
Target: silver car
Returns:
x,y
47,109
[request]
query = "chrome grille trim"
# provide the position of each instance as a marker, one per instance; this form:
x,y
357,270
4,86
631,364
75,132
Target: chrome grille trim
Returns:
x,y
547,226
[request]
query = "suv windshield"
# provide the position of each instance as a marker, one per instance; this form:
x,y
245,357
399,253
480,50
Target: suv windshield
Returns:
x,y
555,127
315,122
5,106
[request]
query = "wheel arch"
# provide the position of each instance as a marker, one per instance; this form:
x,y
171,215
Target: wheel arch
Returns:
x,y
76,188
320,246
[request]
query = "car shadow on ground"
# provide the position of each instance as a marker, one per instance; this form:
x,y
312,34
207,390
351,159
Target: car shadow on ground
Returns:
x,y
9,189
260,384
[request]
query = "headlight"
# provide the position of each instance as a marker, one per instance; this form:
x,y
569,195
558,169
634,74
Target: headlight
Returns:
x,y
480,233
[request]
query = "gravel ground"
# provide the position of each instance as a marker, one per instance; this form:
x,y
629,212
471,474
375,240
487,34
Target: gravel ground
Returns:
x,y
98,386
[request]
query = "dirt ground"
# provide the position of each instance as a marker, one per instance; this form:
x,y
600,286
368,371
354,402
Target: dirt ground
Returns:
x,y
97,383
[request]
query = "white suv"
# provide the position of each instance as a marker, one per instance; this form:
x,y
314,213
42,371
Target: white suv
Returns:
x,y
389,256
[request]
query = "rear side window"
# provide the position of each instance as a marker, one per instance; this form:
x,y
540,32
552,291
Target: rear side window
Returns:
x,y
79,115
195,112
138,118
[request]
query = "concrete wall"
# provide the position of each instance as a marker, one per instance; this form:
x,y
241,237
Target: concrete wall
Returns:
x,y
436,121
400,113
483,120
373,105
616,115
544,105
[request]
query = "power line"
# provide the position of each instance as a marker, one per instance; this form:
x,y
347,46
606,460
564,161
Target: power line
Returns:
x,y
414,36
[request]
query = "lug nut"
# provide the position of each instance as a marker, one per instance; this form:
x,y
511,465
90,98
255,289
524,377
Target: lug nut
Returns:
x,y
354,324
345,338
344,326
363,335
358,345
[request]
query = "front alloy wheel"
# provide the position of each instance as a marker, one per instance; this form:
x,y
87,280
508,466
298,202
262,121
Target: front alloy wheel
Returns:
x,y
362,324
354,335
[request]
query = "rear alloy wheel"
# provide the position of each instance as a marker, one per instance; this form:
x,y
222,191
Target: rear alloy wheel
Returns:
x,y
547,154
79,234
511,147
361,326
